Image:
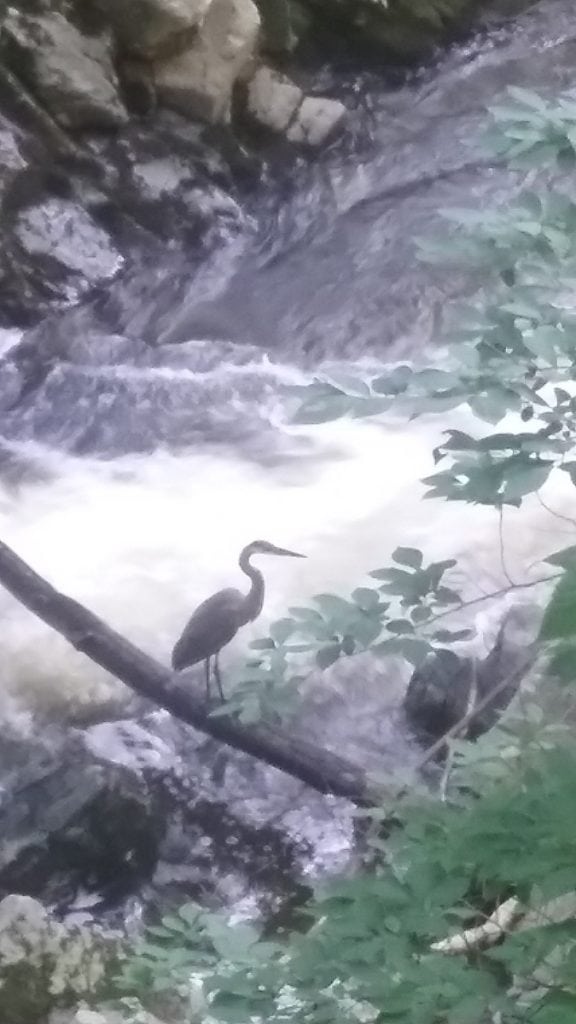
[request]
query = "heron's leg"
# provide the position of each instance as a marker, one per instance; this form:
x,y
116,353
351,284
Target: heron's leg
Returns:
x,y
218,678
207,678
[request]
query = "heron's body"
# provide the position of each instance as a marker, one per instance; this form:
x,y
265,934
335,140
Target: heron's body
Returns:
x,y
213,625
217,620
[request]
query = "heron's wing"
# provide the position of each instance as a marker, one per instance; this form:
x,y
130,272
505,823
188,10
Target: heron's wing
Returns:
x,y
210,628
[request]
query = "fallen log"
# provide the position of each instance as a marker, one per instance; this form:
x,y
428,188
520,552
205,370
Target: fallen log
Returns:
x,y
320,769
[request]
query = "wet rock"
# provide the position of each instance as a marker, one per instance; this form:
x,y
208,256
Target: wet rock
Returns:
x,y
63,231
199,82
72,822
279,104
153,27
45,963
72,74
273,99
317,119
11,158
439,692
405,31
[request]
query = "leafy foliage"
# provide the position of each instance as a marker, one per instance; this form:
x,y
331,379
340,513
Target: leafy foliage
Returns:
x,y
512,350
397,616
505,826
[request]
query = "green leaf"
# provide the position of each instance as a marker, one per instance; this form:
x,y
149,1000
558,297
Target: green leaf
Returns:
x,y
400,626
264,644
306,614
563,662
526,478
408,556
282,629
421,613
528,98
447,636
445,595
348,384
414,650
544,342
334,607
566,558
323,410
393,383
559,621
326,656
366,598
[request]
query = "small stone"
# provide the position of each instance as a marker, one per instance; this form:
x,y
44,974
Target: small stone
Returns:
x,y
273,99
317,119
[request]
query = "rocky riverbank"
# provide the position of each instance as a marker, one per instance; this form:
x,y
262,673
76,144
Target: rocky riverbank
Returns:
x,y
115,114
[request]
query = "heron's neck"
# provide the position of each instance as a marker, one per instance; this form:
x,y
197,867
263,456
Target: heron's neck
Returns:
x,y
255,596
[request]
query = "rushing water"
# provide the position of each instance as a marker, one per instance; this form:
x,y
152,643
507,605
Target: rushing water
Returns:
x,y
146,438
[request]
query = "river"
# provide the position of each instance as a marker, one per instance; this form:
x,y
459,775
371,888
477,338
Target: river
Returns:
x,y
157,441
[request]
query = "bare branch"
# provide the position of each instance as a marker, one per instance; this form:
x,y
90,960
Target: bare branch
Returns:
x,y
320,769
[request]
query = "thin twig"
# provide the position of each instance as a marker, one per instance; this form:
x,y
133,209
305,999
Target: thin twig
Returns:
x,y
501,592
557,515
470,715
470,706
501,542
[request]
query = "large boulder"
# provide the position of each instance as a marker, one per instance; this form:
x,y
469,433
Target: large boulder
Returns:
x,y
72,74
45,963
72,821
199,82
154,27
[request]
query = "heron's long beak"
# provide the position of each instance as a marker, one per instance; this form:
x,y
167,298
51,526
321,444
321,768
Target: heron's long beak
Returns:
x,y
285,551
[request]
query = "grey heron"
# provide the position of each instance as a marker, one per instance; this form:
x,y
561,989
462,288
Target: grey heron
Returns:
x,y
219,618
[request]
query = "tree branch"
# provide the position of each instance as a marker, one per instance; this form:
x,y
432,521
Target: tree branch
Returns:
x,y
320,769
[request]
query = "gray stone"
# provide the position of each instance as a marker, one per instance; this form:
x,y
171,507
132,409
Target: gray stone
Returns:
x,y
317,119
71,820
153,27
273,99
199,82
280,105
73,75
63,230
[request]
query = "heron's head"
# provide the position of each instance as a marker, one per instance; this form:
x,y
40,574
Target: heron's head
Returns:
x,y
263,547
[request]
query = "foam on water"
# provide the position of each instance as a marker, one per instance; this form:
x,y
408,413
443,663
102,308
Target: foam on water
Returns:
x,y
141,540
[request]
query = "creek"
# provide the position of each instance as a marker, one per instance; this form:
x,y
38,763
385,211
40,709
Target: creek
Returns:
x,y
153,438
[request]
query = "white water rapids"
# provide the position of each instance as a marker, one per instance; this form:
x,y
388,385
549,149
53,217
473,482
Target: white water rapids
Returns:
x,y
145,438
150,483
142,539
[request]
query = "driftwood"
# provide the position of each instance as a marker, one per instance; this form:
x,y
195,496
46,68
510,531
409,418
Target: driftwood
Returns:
x,y
321,769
